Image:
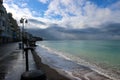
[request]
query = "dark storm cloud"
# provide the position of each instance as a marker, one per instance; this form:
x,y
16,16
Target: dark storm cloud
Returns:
x,y
37,21
108,31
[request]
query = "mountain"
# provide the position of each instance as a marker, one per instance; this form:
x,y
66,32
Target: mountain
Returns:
x,y
111,31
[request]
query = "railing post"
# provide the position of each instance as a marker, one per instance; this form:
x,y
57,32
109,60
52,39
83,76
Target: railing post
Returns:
x,y
32,74
26,59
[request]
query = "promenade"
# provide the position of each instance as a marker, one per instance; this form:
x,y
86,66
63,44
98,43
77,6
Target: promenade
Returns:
x,y
12,65
12,62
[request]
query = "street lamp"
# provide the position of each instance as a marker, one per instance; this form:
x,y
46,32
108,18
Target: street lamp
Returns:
x,y
23,21
36,74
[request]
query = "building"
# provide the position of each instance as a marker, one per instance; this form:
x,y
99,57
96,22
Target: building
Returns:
x,y
3,23
9,29
14,28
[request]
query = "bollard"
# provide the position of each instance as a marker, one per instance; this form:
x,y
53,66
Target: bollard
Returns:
x,y
33,75
20,45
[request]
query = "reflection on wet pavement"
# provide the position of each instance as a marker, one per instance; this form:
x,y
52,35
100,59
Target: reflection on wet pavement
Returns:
x,y
12,63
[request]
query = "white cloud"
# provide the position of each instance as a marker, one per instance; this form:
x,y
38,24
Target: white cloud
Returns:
x,y
17,11
74,13
84,13
61,7
116,5
43,1
24,4
20,11
7,0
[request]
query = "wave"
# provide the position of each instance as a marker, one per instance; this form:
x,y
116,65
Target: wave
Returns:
x,y
74,66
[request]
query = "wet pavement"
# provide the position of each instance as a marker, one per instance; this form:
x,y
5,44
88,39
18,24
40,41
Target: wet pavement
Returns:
x,y
12,62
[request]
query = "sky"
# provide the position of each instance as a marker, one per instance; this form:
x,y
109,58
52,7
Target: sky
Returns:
x,y
69,14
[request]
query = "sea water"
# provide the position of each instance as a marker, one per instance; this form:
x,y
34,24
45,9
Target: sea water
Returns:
x,y
105,55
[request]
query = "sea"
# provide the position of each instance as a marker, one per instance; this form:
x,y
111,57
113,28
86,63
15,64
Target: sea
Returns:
x,y
76,56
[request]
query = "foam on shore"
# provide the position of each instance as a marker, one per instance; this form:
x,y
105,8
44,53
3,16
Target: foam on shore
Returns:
x,y
77,68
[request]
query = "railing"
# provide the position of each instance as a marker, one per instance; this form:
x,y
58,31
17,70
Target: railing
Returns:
x,y
31,74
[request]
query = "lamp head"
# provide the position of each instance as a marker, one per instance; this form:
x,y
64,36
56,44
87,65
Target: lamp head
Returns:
x,y
21,20
26,21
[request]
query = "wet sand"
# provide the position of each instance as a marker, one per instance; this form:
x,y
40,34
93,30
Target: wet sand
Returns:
x,y
85,73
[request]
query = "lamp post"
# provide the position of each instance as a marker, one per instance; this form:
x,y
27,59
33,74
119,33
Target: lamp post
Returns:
x,y
32,74
23,21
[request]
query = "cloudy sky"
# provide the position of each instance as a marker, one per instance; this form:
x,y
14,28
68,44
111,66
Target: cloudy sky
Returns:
x,y
70,14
